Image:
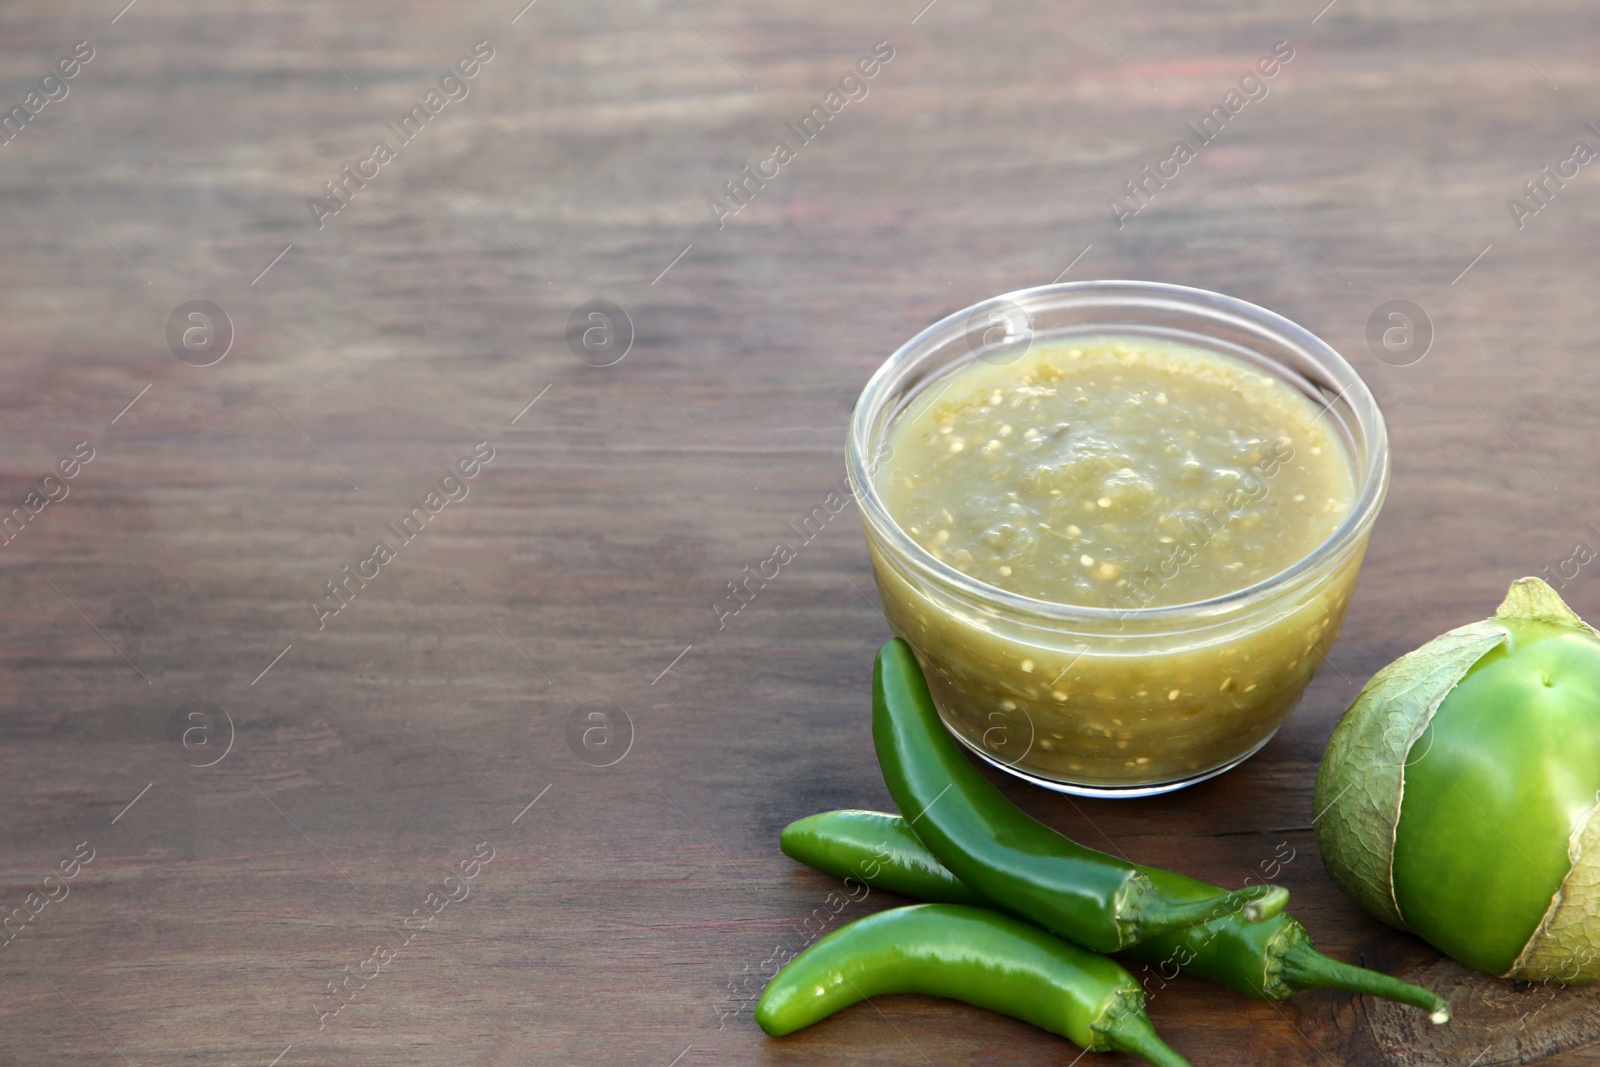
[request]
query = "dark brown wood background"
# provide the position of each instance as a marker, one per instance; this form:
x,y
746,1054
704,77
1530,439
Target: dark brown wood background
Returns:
x,y
624,914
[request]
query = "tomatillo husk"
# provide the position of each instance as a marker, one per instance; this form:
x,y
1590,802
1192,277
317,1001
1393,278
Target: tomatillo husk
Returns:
x,y
1458,795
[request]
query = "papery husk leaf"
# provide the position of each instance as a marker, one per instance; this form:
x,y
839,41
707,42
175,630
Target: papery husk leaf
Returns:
x,y
1532,598
1566,946
1361,780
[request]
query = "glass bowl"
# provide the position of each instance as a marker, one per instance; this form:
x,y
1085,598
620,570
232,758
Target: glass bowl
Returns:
x,y
1113,701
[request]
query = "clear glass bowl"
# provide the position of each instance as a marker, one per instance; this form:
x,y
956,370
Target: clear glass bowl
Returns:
x,y
1042,689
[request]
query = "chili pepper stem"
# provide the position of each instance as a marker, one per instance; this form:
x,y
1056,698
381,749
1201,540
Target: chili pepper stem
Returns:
x,y
1133,1033
1303,967
1157,915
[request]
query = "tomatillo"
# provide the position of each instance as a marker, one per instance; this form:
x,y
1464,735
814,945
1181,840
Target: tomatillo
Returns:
x,y
1458,796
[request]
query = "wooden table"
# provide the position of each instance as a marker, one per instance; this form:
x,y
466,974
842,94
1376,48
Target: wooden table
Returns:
x,y
270,790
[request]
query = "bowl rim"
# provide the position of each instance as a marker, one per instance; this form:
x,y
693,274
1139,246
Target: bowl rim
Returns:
x,y
1374,478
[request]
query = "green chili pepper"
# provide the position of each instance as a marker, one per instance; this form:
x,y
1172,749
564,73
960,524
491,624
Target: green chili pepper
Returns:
x,y
1270,960
1100,901
974,955
875,849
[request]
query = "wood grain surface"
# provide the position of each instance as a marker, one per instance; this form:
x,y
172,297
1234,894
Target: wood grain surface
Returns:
x,y
270,791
